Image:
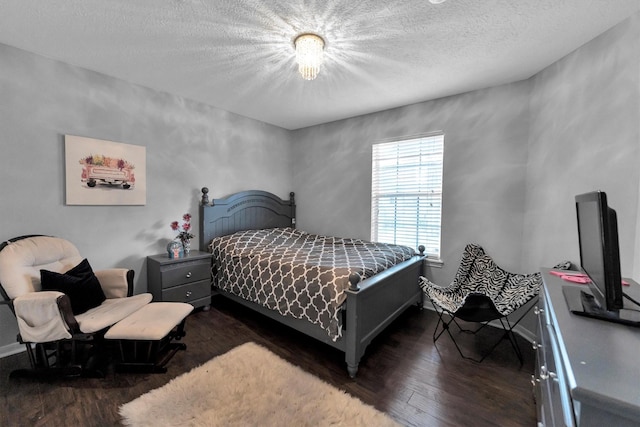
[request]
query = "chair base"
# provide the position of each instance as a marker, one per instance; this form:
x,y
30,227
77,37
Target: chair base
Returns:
x,y
149,356
446,318
81,356
150,345
156,328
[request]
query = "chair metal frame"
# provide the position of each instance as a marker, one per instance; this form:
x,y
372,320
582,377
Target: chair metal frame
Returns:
x,y
506,325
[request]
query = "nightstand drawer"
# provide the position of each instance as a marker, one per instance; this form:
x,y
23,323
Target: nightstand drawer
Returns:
x,y
188,292
185,272
185,279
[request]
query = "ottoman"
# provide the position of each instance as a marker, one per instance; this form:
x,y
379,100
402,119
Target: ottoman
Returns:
x,y
145,339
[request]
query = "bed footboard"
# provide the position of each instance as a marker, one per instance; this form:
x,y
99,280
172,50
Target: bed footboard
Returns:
x,y
375,302
371,306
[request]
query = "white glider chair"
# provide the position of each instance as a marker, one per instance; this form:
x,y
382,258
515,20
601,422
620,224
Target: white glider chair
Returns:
x,y
62,307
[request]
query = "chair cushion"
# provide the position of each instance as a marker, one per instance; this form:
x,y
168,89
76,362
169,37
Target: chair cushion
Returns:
x,y
79,283
478,308
110,312
22,260
486,277
471,252
479,274
152,322
450,299
519,289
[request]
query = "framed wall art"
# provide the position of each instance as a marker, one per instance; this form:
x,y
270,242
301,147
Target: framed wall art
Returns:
x,y
102,172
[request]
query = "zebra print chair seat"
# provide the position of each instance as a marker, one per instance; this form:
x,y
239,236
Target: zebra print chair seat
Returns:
x,y
482,292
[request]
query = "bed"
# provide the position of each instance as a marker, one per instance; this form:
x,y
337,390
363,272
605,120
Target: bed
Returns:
x,y
368,299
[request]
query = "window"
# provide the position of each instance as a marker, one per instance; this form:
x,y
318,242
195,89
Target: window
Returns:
x,y
406,199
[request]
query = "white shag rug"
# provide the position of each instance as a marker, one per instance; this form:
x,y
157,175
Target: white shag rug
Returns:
x,y
249,386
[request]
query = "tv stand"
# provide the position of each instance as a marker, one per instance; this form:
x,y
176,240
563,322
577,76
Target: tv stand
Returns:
x,y
586,371
583,303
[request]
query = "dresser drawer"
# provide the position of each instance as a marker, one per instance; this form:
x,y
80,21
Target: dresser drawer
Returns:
x,y
188,292
559,394
540,388
185,272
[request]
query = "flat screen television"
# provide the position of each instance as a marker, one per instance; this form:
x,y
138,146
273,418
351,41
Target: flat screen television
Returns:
x,y
599,251
600,260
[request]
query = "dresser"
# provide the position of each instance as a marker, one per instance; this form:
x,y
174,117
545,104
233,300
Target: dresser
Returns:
x,y
185,279
587,370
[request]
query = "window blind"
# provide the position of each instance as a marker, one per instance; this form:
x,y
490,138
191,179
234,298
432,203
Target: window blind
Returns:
x,y
406,197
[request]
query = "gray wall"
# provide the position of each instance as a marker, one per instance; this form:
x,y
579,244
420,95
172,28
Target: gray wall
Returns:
x,y
585,135
188,146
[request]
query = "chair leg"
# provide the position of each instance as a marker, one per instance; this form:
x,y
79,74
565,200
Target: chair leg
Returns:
x,y
42,357
32,357
441,321
446,328
507,333
511,337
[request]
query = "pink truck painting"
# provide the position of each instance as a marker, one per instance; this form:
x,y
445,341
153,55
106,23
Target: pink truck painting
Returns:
x,y
106,170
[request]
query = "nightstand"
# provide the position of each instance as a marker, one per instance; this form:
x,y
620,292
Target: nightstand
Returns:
x,y
185,279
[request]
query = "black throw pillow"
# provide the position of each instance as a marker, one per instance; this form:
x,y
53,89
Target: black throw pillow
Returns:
x,y
80,284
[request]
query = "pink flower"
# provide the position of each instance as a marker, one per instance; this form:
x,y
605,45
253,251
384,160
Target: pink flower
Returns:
x,y
186,226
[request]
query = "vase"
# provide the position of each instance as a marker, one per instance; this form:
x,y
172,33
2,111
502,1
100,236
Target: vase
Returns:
x,y
186,246
175,249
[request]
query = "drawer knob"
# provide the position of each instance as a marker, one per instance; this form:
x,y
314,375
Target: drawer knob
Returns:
x,y
188,275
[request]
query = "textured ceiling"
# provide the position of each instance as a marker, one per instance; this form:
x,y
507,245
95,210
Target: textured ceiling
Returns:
x,y
238,55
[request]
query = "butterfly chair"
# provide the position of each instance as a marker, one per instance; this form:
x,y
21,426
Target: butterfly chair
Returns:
x,y
62,307
482,292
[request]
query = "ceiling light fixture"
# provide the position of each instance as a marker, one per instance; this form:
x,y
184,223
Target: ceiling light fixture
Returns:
x,y
436,1
309,50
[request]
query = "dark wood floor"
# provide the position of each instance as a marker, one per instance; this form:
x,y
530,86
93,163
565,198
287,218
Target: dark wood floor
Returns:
x,y
402,374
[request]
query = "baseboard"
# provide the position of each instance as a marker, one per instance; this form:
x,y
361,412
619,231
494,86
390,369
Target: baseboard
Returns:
x,y
11,349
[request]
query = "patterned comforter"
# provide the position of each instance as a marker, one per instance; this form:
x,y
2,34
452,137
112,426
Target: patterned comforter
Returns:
x,y
298,274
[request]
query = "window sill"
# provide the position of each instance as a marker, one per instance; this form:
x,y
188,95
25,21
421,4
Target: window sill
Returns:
x,y
437,263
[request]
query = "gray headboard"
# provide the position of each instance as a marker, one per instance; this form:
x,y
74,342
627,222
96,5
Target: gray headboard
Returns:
x,y
246,210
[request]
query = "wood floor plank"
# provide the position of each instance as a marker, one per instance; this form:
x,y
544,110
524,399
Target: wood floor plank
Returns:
x,y
402,373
